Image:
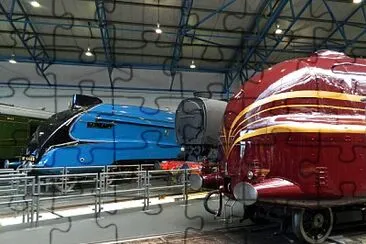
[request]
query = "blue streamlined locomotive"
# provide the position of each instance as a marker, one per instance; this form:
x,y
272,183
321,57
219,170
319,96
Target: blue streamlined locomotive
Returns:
x,y
91,133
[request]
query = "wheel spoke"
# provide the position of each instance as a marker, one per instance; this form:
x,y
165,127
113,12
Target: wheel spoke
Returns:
x,y
314,225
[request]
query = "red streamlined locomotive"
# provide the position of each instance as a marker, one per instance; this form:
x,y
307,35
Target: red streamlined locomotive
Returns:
x,y
294,136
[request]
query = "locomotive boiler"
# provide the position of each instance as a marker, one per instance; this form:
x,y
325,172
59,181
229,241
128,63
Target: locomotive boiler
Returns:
x,y
294,137
91,133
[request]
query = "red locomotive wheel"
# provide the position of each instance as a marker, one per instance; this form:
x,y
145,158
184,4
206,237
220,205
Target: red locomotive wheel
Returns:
x,y
312,226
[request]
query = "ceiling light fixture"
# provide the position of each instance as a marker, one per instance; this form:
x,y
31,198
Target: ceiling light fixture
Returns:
x,y
278,31
357,1
35,4
192,66
88,53
158,30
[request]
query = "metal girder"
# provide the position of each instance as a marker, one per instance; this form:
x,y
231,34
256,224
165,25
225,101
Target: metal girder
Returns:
x,y
182,30
259,50
275,8
28,36
105,35
217,11
216,44
101,63
341,26
227,85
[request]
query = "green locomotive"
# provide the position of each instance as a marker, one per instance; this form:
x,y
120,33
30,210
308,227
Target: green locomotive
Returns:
x,y
17,124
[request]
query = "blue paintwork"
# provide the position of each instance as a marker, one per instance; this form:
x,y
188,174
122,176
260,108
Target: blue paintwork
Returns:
x,y
138,133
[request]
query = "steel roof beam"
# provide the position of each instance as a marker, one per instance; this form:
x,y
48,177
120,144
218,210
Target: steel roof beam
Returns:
x,y
28,36
100,50
240,64
169,7
182,29
203,69
275,7
107,41
244,40
249,14
115,22
144,42
214,44
120,88
217,11
276,10
341,26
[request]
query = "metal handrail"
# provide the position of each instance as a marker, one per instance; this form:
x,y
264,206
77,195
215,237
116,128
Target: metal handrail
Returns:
x,y
12,176
16,201
17,178
31,188
67,175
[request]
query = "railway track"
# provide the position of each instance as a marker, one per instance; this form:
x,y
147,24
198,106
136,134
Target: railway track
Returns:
x,y
241,235
351,233
231,234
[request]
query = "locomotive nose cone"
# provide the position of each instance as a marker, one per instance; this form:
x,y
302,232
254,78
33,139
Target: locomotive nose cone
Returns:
x,y
195,181
245,193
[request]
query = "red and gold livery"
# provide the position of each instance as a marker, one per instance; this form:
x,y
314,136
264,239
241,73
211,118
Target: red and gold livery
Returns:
x,y
295,135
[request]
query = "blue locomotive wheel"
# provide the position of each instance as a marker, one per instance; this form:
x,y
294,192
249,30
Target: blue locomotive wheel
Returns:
x,y
312,226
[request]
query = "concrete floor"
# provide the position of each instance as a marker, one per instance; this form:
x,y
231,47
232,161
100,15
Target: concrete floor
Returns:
x,y
175,217
184,224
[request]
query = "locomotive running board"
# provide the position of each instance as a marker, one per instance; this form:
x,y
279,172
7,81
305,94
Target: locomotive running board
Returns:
x,y
314,203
